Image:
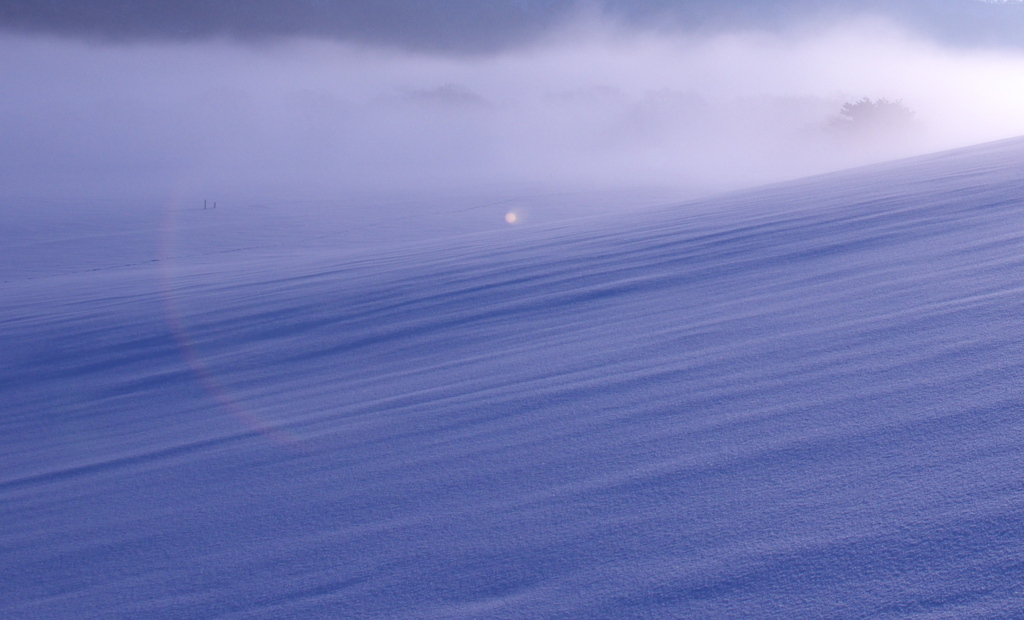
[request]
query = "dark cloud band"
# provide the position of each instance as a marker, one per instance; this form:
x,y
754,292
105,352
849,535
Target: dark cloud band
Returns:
x,y
457,25
476,26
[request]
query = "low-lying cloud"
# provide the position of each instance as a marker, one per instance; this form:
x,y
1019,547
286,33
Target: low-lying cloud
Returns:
x,y
593,106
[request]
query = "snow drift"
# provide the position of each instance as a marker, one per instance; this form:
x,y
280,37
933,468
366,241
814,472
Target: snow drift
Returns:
x,y
800,401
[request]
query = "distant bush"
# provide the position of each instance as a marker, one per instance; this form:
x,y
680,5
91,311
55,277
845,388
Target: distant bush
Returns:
x,y
879,116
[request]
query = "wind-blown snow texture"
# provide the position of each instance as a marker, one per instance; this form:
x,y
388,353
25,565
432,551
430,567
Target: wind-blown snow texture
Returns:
x,y
802,401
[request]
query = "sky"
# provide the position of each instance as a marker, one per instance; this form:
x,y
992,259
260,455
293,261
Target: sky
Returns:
x,y
267,99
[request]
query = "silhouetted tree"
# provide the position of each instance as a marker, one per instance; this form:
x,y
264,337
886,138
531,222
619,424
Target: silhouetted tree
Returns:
x,y
867,116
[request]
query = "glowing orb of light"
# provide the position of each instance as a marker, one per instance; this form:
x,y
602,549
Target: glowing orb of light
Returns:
x,y
511,217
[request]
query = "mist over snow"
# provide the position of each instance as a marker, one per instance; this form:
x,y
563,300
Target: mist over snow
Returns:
x,y
593,104
393,309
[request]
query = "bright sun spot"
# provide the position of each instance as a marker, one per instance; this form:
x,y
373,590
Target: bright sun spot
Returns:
x,y
510,217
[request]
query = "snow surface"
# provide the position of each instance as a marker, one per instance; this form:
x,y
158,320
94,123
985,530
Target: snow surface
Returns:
x,y
800,401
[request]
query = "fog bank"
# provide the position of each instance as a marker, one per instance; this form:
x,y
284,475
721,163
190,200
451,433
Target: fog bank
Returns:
x,y
593,106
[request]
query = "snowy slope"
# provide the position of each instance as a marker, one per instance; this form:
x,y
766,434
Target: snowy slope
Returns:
x,y
801,401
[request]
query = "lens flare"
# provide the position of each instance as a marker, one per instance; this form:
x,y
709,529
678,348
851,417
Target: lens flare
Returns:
x,y
190,354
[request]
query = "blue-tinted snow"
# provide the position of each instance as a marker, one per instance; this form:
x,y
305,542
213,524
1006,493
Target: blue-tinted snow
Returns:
x,y
801,401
